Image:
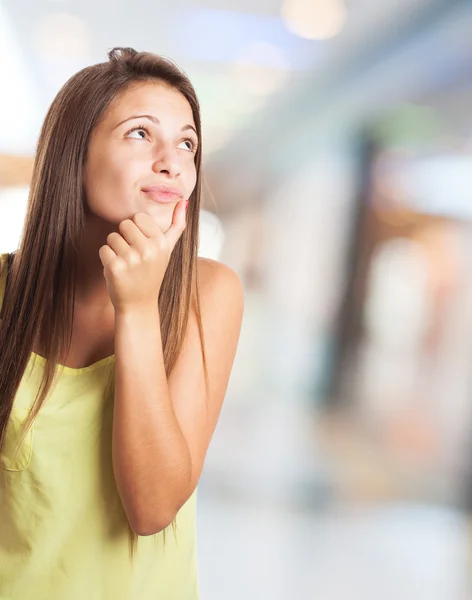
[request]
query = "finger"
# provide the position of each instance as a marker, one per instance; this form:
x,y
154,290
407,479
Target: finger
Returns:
x,y
132,234
147,225
118,244
178,224
106,255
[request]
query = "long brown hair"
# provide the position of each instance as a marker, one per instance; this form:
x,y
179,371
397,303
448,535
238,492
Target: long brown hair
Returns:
x,y
39,302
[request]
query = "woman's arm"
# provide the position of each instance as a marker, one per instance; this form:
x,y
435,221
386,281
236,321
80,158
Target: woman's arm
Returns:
x,y
162,429
151,459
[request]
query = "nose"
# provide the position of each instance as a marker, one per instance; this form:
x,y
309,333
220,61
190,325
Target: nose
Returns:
x,y
166,161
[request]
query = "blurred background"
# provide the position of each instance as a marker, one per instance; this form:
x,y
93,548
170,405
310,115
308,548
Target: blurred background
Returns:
x,y
338,184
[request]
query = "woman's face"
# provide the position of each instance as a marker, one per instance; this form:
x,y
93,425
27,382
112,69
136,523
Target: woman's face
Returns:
x,y
146,139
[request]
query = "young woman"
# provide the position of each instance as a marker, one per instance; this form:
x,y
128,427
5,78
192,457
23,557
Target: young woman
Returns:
x,y
116,344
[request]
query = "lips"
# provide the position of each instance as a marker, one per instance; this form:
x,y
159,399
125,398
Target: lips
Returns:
x,y
163,193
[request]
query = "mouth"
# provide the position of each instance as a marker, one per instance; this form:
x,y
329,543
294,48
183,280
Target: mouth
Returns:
x,y
163,194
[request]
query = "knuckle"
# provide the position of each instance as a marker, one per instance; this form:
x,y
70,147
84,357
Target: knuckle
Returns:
x,y
161,243
149,253
116,266
133,256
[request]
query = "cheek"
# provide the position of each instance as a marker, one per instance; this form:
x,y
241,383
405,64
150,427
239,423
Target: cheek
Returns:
x,y
191,181
105,184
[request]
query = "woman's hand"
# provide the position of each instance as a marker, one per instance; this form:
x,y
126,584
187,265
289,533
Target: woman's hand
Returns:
x,y
135,259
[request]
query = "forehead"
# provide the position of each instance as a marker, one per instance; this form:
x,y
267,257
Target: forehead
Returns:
x,y
151,98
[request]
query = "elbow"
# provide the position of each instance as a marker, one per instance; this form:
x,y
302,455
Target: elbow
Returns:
x,y
145,519
146,526
147,529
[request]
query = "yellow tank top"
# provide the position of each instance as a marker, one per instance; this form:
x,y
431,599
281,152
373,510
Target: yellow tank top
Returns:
x,y
63,531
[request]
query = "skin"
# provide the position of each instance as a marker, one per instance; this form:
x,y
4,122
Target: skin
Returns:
x,y
162,426
120,163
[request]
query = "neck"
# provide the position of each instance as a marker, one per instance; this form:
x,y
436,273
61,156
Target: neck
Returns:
x,y
91,289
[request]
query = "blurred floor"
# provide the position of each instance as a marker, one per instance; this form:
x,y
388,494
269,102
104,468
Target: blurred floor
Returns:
x,y
408,552
258,541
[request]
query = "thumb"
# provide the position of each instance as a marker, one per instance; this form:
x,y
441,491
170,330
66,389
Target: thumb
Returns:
x,y
178,224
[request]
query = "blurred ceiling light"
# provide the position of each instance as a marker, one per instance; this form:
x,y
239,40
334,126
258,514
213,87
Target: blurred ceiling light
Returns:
x,y
218,35
261,68
314,19
62,37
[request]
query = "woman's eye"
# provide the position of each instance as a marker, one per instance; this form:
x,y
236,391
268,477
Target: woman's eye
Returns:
x,y
138,133
190,144
141,133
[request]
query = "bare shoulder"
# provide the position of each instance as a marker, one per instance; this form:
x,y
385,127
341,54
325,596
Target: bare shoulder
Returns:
x,y
216,279
199,381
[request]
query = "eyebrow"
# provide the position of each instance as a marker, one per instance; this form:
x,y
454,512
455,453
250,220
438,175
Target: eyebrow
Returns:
x,y
154,120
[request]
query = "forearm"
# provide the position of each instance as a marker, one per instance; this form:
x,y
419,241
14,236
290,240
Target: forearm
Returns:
x,y
151,459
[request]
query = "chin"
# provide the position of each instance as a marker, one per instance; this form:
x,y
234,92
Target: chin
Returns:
x,y
163,221
161,213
